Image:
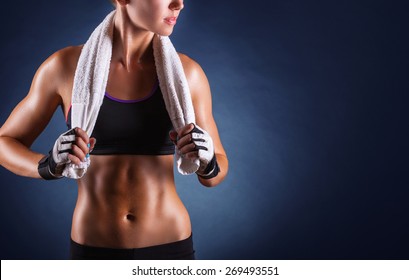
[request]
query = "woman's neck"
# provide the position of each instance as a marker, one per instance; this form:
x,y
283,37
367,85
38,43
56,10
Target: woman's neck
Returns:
x,y
131,46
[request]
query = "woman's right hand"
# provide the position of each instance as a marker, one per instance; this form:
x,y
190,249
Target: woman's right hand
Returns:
x,y
73,146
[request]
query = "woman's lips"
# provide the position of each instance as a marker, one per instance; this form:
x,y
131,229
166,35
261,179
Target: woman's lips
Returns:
x,y
171,20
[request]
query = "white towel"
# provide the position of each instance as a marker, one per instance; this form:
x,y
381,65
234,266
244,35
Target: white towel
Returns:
x,y
91,78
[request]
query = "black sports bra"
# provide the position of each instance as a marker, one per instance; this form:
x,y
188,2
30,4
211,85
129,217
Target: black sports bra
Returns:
x,y
132,127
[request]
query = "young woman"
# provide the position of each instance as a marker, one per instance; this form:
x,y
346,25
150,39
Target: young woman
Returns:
x,y
127,206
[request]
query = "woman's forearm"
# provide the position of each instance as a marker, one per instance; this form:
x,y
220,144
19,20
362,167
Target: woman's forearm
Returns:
x,y
18,158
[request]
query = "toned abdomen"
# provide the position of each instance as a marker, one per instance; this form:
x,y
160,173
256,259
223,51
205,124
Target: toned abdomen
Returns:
x,y
129,202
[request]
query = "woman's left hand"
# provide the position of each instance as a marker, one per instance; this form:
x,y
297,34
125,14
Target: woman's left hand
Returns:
x,y
194,142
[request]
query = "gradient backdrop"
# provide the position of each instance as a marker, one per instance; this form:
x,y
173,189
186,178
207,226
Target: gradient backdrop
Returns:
x,y
311,99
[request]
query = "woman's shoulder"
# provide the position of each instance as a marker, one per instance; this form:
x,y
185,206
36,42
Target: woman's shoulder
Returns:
x,y
196,77
61,64
70,52
64,60
192,69
56,73
189,64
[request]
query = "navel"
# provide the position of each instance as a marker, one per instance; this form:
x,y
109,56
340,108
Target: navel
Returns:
x,y
130,217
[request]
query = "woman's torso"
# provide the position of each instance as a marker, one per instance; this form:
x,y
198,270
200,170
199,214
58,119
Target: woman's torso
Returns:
x,y
126,200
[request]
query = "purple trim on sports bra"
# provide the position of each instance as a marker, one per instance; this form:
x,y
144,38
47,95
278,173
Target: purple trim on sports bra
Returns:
x,y
133,100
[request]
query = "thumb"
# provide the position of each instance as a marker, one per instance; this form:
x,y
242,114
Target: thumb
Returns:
x,y
92,142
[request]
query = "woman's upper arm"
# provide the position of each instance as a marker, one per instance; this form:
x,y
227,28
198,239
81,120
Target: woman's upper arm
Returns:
x,y
32,114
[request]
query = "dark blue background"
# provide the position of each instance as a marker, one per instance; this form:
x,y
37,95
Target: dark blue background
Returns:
x,y
311,101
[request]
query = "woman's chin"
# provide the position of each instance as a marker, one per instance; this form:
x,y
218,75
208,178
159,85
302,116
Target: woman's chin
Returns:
x,y
165,31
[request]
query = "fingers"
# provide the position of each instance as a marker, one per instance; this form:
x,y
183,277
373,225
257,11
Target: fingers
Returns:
x,y
184,141
81,148
190,147
185,130
77,155
184,137
173,135
82,145
79,133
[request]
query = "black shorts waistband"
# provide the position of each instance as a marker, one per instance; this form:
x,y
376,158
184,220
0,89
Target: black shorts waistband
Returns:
x,y
178,250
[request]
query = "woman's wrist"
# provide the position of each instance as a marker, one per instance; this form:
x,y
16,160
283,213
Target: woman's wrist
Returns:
x,y
210,170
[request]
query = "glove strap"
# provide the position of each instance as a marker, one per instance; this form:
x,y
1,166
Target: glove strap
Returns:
x,y
211,171
47,168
